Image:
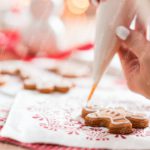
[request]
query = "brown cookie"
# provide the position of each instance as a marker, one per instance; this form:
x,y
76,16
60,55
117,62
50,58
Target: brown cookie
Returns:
x,y
53,69
69,69
63,86
118,121
29,84
24,75
89,109
47,64
138,120
10,71
45,88
2,81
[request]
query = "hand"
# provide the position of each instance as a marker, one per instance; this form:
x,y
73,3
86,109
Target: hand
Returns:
x,y
95,2
134,54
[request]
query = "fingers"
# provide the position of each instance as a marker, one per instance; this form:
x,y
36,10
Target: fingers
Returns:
x,y
95,2
139,26
142,86
132,40
129,61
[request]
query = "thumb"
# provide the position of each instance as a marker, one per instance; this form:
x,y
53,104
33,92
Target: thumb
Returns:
x,y
132,40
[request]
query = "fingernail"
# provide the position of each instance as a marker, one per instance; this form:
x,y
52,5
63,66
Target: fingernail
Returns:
x,y
122,32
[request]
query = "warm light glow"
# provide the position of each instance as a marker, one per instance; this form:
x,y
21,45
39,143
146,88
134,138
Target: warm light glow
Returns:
x,y
24,3
78,6
80,3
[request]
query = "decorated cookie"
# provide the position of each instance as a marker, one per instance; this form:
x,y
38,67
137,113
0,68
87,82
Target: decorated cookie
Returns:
x,y
10,71
34,78
67,68
89,109
23,75
63,86
29,84
138,120
2,80
45,88
72,70
47,64
117,120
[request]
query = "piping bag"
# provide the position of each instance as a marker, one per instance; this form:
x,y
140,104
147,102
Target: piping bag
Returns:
x,y
110,15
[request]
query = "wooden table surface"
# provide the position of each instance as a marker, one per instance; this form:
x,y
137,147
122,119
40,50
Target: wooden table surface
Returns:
x,y
4,146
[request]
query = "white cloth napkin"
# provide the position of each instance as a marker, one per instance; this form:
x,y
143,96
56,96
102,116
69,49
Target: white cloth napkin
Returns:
x,y
55,119
6,102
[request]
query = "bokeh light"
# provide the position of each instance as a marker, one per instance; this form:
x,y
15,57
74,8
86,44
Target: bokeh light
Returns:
x,y
78,7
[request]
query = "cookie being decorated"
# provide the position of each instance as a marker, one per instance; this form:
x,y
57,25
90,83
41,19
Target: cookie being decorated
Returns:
x,y
89,109
117,120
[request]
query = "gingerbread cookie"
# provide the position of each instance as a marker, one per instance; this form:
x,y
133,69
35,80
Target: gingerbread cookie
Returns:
x,y
45,88
2,81
72,70
63,86
47,64
23,75
89,109
10,71
118,121
138,120
5,79
29,84
67,68
31,77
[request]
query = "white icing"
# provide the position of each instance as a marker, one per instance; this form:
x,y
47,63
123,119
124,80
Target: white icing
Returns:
x,y
109,114
44,85
29,82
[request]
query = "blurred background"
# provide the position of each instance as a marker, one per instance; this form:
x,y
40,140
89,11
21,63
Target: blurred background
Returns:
x,y
45,28
56,29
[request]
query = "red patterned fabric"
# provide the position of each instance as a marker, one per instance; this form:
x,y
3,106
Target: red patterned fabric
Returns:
x,y
42,146
9,39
